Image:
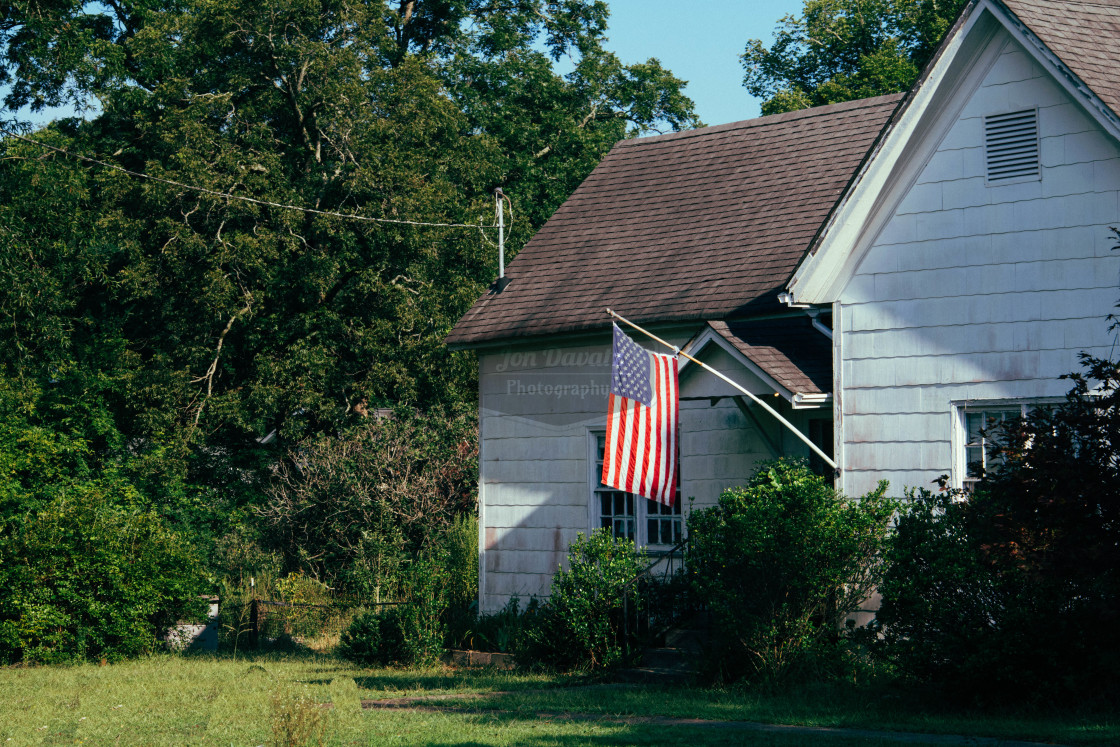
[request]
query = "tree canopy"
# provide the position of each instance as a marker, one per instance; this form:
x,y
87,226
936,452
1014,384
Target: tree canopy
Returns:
x,y
840,50
180,334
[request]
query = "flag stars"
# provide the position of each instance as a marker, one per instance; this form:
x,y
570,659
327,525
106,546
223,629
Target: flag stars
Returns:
x,y
632,371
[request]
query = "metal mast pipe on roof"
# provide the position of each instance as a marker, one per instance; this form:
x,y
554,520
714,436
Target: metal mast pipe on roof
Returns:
x,y
816,449
501,232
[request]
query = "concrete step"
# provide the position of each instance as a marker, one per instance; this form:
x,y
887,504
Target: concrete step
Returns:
x,y
654,676
686,639
669,658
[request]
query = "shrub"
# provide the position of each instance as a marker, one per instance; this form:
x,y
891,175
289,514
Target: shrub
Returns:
x,y
85,577
502,631
1012,594
297,720
409,634
461,545
350,509
943,617
312,605
781,563
582,623
361,642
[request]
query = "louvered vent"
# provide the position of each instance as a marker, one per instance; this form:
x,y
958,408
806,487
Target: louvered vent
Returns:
x,y
1011,145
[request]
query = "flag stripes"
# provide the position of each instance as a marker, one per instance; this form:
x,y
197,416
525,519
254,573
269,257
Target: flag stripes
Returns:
x,y
641,441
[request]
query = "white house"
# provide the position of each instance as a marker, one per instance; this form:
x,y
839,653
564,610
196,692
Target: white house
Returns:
x,y
891,272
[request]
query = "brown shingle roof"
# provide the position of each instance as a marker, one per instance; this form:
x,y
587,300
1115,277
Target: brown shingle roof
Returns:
x,y
694,225
793,353
1083,35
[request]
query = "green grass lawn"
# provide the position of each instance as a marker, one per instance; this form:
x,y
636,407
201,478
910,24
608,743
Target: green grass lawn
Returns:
x,y
168,700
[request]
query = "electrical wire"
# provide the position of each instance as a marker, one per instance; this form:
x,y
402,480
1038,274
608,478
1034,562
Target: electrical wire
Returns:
x,y
242,198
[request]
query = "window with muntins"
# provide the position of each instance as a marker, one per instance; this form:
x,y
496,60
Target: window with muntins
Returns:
x,y
631,516
972,440
978,424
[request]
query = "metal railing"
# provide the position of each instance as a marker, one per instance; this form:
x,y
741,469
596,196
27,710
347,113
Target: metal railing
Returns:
x,y
647,617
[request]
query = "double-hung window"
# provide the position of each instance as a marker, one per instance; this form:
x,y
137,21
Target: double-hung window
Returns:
x,y
631,516
972,443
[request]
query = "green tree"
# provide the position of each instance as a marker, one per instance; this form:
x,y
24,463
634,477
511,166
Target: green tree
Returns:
x,y
184,334
840,50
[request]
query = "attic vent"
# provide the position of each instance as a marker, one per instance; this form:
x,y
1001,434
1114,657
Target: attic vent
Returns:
x,y
1011,146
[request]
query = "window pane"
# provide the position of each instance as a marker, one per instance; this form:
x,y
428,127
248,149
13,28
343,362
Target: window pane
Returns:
x,y
663,524
614,515
978,446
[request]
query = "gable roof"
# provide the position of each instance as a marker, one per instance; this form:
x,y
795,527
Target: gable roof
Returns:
x,y
1070,41
791,352
694,225
1083,35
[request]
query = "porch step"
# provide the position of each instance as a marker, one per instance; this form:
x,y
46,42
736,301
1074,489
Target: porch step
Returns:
x,y
654,676
668,659
674,663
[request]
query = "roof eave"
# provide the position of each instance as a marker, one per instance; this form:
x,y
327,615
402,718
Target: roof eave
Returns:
x,y
708,335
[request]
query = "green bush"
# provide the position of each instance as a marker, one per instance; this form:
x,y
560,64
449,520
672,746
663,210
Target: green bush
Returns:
x,y
781,563
86,577
312,605
409,634
361,643
502,631
1012,593
581,625
966,615
461,545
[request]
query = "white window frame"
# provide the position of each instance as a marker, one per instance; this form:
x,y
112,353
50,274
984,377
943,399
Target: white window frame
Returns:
x,y
960,435
641,505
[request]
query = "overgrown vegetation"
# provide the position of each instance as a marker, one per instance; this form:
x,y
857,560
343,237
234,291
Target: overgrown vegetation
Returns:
x,y
781,563
87,577
87,569
221,365
1012,594
349,509
410,633
581,625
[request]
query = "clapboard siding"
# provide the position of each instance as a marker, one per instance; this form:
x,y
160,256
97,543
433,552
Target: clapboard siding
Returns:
x,y
974,292
537,409
917,313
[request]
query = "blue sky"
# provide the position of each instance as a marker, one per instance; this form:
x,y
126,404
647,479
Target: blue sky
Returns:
x,y
700,43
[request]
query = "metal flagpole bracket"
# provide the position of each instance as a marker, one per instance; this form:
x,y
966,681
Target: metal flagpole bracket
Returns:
x,y
816,449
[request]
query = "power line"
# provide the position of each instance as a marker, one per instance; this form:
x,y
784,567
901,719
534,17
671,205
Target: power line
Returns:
x,y
242,198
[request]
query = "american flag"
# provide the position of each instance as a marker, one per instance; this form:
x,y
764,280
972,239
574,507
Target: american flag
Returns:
x,y
642,415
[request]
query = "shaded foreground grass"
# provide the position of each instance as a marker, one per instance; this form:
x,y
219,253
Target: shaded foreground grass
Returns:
x,y
203,700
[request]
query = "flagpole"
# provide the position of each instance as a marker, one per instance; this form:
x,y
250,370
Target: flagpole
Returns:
x,y
816,449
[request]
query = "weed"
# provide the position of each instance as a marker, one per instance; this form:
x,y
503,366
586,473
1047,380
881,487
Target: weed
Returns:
x,y
297,720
